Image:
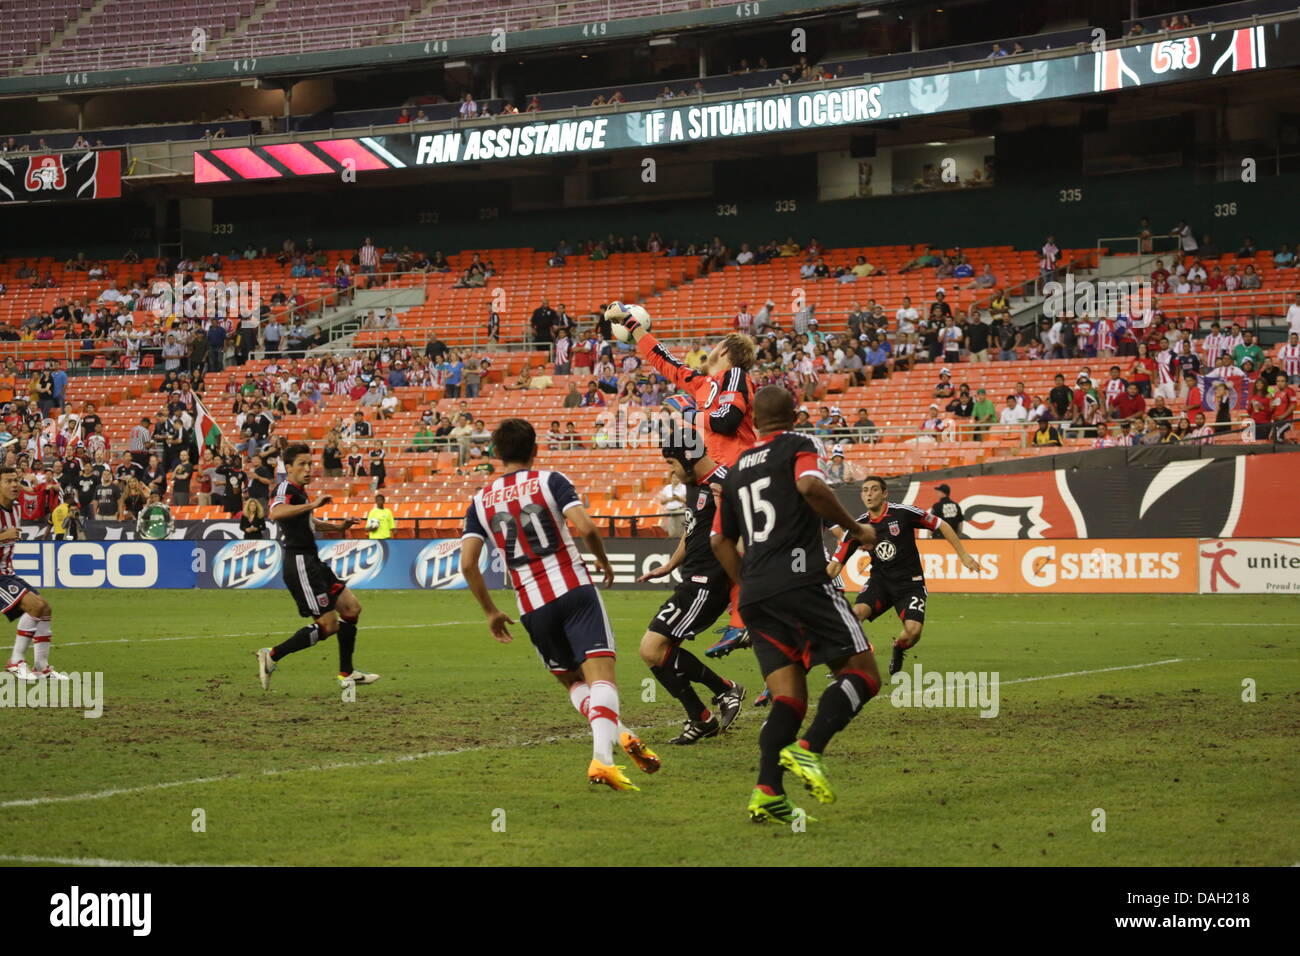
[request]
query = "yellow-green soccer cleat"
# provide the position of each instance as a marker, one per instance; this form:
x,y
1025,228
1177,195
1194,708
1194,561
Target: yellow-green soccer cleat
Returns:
x,y
608,775
647,760
810,770
777,808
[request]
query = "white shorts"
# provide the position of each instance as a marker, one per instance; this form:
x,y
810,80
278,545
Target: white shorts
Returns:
x,y
1165,391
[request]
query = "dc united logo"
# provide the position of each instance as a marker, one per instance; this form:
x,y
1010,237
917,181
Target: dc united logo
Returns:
x,y
46,172
323,600
702,501
893,528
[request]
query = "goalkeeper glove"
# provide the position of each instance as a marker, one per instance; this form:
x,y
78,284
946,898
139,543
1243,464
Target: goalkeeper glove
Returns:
x,y
683,405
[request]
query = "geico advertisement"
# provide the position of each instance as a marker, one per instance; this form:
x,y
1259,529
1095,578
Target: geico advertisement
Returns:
x,y
1250,566
1139,565
362,563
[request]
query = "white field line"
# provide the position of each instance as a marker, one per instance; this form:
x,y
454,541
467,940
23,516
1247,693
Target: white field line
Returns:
x,y
1100,670
1179,624
425,755
200,637
96,861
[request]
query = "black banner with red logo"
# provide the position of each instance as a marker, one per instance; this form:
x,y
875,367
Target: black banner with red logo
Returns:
x,y
60,177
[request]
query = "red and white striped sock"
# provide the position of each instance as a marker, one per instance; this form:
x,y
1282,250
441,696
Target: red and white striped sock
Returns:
x,y
603,715
41,650
580,695
23,639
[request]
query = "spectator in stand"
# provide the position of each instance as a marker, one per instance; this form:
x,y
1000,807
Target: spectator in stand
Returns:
x,y
1259,408
1201,432
1014,414
571,438
1142,370
182,478
1248,350
252,521
1222,402
1284,409
468,108
1190,396
1046,433
1061,399
672,502
594,398
541,323
1131,405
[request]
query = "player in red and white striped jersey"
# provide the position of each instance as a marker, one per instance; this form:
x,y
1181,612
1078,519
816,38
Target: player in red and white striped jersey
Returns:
x,y
525,513
1288,357
19,601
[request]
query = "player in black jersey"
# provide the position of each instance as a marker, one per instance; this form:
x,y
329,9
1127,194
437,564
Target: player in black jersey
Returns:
x,y
897,579
321,596
774,499
703,595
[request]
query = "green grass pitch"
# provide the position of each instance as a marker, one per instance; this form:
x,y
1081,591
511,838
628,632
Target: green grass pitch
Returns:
x,y
467,752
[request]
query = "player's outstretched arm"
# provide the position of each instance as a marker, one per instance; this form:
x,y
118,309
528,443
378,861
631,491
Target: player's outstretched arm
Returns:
x,y
967,560
587,530
822,500
471,549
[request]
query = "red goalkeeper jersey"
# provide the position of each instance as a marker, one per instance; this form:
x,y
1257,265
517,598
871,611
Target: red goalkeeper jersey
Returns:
x,y
724,415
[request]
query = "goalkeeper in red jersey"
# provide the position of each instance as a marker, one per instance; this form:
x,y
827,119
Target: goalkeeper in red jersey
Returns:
x,y
719,408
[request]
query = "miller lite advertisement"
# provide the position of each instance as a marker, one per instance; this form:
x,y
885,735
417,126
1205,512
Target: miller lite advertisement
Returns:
x,y
58,177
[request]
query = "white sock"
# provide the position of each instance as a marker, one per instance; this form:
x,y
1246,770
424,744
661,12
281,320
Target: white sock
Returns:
x,y
23,639
603,715
42,644
580,695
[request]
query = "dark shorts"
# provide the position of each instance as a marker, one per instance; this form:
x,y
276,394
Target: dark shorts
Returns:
x,y
570,629
907,599
12,589
810,625
691,609
313,585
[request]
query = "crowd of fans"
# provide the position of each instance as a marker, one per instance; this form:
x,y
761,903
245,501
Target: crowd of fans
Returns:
x,y
1158,379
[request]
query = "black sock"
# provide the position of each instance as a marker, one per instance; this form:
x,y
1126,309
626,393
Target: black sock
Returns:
x,y
697,672
302,639
845,696
347,644
680,689
781,729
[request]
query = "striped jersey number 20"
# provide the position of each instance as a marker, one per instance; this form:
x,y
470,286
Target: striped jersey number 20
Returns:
x,y
751,503
531,520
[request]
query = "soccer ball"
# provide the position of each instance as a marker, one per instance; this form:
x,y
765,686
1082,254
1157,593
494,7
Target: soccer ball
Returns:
x,y
372,524
617,310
